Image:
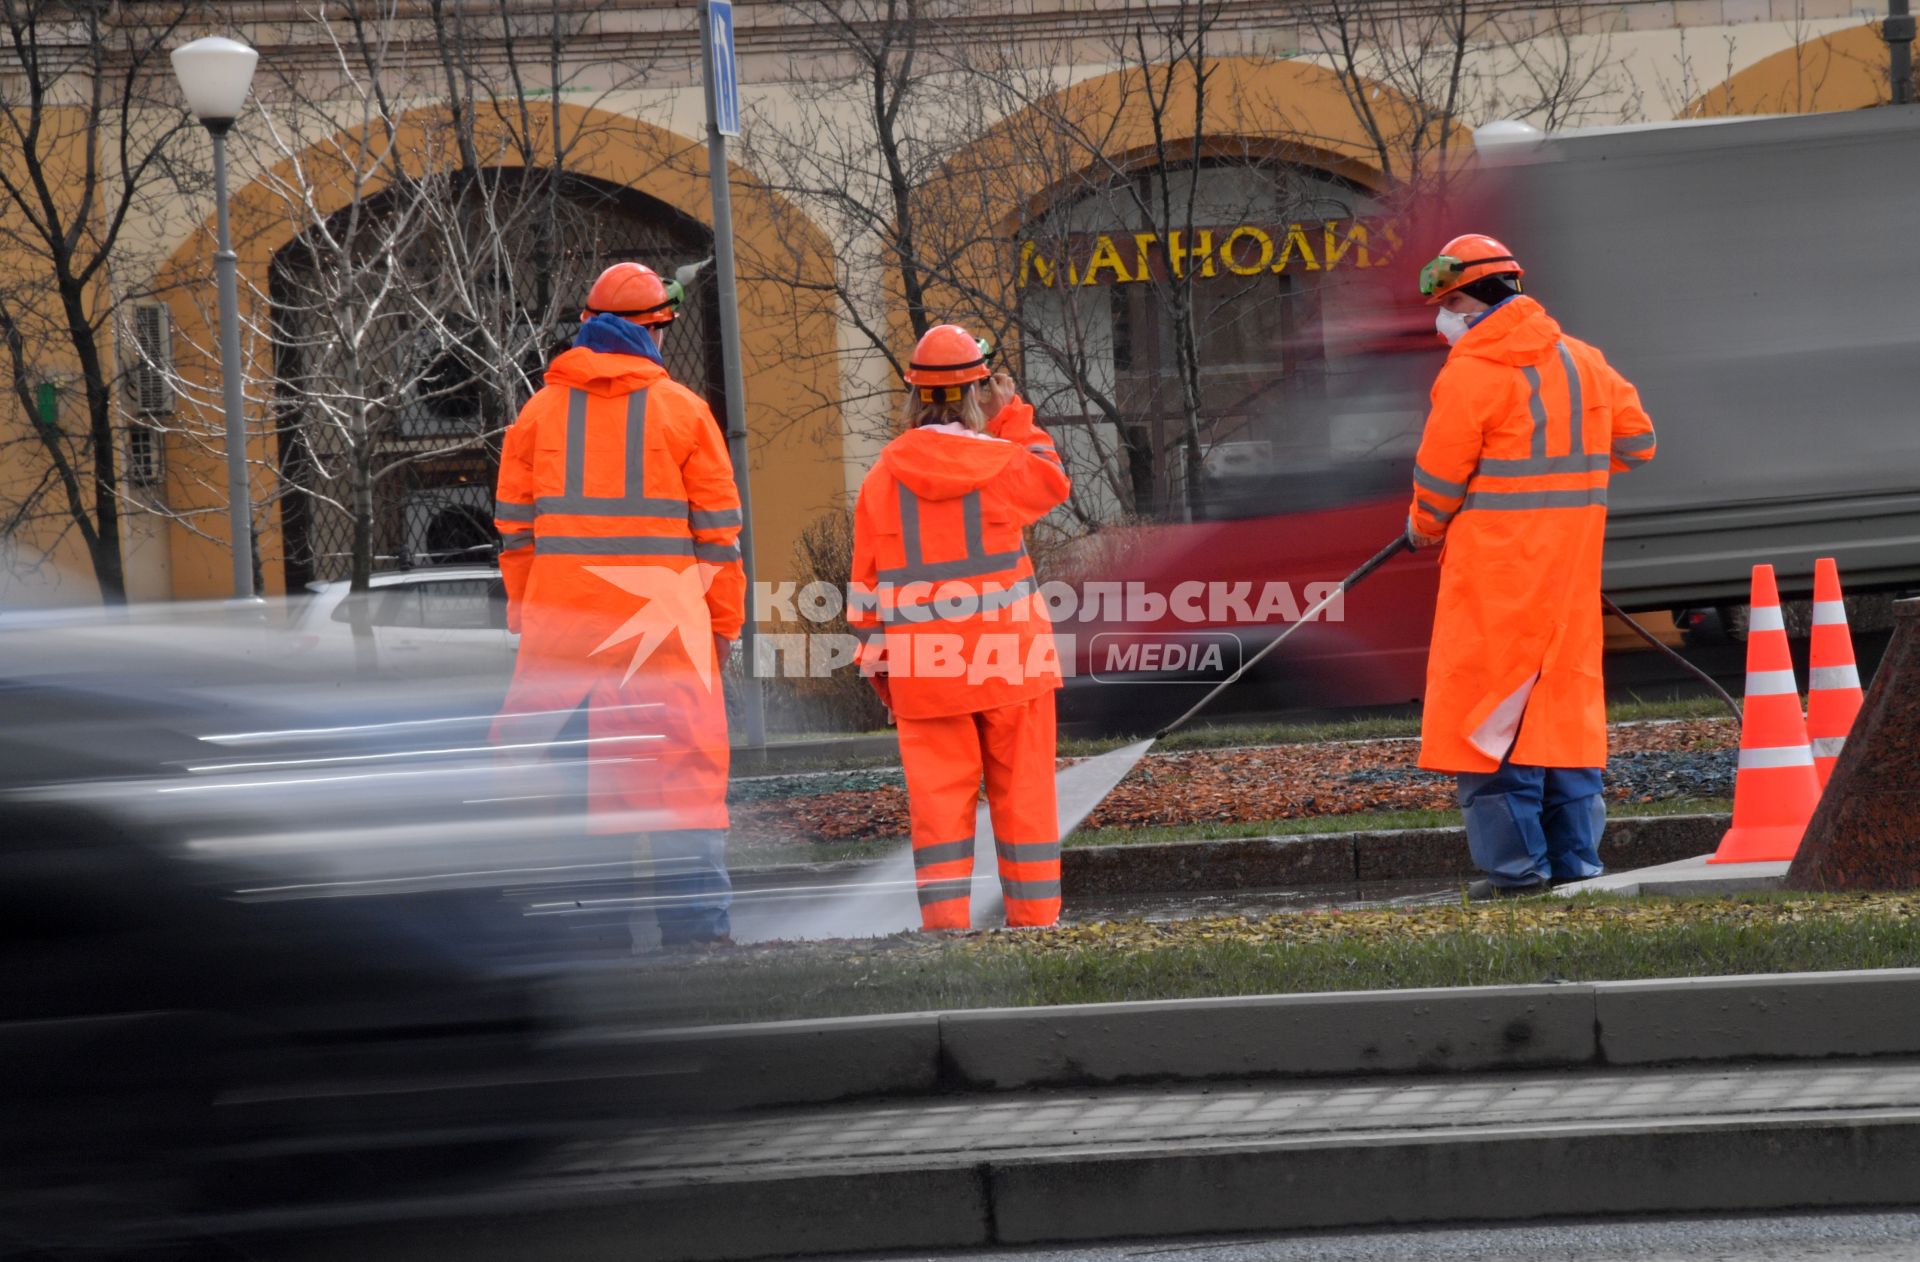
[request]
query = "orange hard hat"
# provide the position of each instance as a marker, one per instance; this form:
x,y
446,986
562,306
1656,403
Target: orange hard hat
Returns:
x,y
948,355
1464,260
635,291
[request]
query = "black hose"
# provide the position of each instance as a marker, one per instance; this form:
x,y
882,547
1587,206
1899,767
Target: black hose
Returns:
x,y
1686,665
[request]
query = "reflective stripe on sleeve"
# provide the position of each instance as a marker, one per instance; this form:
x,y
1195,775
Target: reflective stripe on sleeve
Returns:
x,y
517,540
718,553
506,510
1439,486
713,518
1634,449
1441,515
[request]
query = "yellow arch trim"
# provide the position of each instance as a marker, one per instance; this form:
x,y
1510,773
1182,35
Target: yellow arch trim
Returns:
x,y
794,358
1846,70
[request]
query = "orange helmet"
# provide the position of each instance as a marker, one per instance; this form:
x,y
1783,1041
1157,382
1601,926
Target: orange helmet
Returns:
x,y
635,291
1464,260
947,355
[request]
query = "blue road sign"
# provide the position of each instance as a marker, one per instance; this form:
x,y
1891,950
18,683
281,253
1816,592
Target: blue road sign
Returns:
x,y
723,75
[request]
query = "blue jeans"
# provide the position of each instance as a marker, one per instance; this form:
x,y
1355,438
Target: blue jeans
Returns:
x,y
691,885
1528,824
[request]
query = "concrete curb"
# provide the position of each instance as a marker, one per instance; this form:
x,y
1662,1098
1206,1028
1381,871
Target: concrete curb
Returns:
x,y
1455,1030
1310,859
1284,1185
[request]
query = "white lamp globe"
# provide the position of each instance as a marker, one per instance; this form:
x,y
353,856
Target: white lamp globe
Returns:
x,y
214,74
1506,131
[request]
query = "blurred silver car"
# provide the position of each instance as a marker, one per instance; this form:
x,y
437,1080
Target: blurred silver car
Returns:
x,y
456,616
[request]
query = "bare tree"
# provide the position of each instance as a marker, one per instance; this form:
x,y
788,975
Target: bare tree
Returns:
x,y
1419,75
88,124
436,235
927,225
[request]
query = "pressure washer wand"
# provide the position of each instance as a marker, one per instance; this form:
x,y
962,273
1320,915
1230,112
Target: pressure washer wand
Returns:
x,y
1380,558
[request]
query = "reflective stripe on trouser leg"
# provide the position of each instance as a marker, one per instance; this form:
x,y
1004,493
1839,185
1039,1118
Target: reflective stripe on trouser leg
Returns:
x,y
1017,752
941,760
691,888
1502,814
1573,815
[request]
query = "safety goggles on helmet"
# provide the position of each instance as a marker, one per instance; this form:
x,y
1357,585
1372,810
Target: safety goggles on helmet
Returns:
x,y
1446,272
676,294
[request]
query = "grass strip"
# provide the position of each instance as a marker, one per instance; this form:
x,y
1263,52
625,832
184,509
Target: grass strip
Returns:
x,y
1523,941
1314,825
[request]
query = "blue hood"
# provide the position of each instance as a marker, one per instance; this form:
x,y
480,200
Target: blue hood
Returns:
x,y
617,335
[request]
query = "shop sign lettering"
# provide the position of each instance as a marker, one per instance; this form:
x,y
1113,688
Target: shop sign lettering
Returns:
x,y
1122,258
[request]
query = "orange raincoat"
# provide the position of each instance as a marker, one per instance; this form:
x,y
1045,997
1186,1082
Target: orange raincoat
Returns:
x,y
1520,493
619,524
944,597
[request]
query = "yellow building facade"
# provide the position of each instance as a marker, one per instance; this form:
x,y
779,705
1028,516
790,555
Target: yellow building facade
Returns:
x,y
822,308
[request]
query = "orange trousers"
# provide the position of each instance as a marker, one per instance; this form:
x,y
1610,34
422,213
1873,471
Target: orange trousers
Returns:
x,y
945,759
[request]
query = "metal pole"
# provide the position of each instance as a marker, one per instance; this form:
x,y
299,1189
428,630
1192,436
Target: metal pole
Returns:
x,y
1898,32
735,388
226,266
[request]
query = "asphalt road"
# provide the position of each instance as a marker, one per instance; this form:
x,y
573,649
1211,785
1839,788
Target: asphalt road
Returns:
x,y
1864,1237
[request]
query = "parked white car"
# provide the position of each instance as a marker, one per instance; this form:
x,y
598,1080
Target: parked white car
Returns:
x,y
444,618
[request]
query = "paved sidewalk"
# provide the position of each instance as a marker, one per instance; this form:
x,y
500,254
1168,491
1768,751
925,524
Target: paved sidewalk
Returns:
x,y
1028,1167
1051,1124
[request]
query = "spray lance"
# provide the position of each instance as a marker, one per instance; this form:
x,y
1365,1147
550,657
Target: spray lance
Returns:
x,y
1084,785
1380,558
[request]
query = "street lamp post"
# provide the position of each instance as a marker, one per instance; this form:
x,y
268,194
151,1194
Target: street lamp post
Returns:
x,y
214,75
1898,31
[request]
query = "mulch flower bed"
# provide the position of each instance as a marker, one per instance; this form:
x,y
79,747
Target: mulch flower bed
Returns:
x,y
1650,762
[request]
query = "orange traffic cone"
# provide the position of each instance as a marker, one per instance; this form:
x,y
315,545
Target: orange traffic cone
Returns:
x,y
1775,789
1833,681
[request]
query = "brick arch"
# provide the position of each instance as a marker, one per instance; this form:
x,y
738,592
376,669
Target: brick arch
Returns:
x,y
667,167
1846,70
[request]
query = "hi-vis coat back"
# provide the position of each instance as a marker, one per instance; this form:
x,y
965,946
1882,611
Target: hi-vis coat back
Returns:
x,y
619,524
943,588
1527,426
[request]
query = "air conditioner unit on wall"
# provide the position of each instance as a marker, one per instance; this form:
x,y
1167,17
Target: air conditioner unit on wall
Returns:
x,y
149,375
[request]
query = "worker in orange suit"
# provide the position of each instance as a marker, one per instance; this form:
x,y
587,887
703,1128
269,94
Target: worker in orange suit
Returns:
x,y
1526,427
619,526
957,638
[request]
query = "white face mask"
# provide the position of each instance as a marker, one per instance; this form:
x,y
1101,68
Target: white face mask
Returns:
x,y
1452,325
